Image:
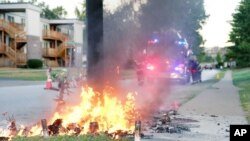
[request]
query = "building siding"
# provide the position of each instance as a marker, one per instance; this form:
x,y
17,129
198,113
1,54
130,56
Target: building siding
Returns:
x,y
34,47
34,25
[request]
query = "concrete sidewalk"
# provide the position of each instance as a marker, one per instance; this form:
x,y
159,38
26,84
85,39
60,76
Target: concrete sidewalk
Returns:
x,y
220,99
216,109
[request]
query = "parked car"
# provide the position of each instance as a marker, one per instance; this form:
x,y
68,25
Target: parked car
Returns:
x,y
208,66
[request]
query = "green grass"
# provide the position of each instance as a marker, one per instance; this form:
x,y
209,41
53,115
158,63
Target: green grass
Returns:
x,y
241,79
40,74
25,74
69,138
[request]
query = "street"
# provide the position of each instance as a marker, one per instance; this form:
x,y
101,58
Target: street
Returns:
x,y
158,71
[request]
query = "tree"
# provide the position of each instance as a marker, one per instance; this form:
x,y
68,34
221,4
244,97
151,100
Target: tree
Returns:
x,y
120,32
208,59
185,17
59,11
81,12
120,38
240,35
218,58
55,13
202,55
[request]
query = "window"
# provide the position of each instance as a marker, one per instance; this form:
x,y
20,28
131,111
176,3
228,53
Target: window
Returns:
x,y
1,16
10,18
45,27
23,22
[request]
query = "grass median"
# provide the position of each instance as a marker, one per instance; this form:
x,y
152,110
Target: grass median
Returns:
x,y
69,138
241,79
40,74
25,74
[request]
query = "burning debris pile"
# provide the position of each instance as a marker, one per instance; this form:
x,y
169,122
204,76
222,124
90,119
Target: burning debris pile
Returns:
x,y
100,113
96,113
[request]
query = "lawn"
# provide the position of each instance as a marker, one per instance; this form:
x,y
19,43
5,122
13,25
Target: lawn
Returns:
x,y
40,74
25,74
241,79
70,138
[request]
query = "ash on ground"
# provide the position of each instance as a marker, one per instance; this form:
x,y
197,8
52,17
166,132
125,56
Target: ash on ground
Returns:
x,y
167,122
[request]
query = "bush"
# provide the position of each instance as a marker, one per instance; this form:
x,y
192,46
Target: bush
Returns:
x,y
35,63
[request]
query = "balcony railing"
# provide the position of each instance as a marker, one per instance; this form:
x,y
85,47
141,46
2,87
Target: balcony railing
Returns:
x,y
50,52
18,58
21,37
49,34
61,48
13,29
54,52
2,48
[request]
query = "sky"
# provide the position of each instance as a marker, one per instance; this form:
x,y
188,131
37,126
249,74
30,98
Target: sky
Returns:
x,y
217,28
215,31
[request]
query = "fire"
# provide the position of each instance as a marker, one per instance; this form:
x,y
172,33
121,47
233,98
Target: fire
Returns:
x,y
105,112
110,113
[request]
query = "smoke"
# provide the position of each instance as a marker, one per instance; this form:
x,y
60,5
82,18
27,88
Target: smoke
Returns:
x,y
152,97
120,31
123,40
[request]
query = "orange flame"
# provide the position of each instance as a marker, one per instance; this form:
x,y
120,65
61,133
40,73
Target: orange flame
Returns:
x,y
109,112
105,109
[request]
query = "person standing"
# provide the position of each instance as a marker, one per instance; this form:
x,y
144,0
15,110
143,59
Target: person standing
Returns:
x,y
193,68
49,70
49,79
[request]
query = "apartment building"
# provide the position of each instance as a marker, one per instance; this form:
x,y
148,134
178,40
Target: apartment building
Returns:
x,y
25,35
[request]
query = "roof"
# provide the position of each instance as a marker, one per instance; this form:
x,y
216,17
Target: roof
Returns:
x,y
18,7
66,21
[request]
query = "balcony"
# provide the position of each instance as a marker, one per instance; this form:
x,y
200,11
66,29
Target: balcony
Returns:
x,y
54,35
15,30
2,48
50,52
21,37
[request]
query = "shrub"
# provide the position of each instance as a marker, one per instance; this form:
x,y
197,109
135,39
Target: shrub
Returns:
x,y
35,63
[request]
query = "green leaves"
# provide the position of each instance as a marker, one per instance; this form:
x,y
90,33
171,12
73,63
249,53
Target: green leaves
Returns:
x,y
185,17
55,13
240,35
81,12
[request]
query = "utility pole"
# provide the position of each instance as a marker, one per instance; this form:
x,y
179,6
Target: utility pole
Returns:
x,y
95,67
